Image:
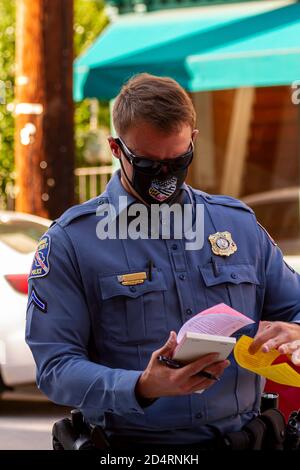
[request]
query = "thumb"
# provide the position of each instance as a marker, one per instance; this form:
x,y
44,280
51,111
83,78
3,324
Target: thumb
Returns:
x,y
169,346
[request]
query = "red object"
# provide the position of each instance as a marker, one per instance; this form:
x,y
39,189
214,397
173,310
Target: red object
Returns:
x,y
19,282
289,397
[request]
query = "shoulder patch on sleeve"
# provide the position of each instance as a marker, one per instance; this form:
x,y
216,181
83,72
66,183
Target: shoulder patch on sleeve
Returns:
x,y
41,265
267,233
38,301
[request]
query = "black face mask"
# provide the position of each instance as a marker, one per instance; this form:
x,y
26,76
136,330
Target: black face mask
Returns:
x,y
163,188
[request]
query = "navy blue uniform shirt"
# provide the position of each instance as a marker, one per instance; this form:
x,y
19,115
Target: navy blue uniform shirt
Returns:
x,y
92,336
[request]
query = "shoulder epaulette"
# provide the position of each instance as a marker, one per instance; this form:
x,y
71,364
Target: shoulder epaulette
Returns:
x,y
224,201
80,210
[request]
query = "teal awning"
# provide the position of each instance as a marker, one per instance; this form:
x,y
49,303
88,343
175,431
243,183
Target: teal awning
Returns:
x,y
202,52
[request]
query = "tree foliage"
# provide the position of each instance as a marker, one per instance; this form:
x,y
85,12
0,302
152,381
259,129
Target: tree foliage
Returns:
x,y
7,69
89,21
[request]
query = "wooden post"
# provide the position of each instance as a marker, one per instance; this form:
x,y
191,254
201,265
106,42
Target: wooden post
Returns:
x,y
44,145
202,173
235,155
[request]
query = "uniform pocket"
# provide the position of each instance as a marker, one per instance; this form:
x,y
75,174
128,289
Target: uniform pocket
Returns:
x,y
234,284
133,314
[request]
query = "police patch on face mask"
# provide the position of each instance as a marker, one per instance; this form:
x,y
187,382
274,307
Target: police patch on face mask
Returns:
x,y
163,188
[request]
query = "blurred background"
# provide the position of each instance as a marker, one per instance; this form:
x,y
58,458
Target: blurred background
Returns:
x,y
62,62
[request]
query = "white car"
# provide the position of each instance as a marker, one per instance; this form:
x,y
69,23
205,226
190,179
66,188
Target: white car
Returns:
x,y
19,234
279,212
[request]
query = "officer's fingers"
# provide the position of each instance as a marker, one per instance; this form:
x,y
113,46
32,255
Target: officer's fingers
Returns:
x,y
260,339
263,325
296,357
168,347
290,347
198,365
198,383
218,368
293,348
273,343
187,380
279,333
202,386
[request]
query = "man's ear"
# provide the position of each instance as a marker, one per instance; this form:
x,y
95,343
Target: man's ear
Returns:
x,y
115,149
195,134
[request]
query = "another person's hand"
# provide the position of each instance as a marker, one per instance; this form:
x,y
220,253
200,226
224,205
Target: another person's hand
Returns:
x,y
292,348
157,380
273,335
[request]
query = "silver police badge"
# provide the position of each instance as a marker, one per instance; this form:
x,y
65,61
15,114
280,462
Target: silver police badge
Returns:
x,y
222,244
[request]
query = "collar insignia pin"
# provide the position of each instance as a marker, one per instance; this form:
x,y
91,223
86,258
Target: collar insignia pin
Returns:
x,y
222,244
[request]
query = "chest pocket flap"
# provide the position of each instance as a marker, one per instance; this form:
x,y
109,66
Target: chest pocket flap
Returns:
x,y
133,314
229,273
111,287
236,285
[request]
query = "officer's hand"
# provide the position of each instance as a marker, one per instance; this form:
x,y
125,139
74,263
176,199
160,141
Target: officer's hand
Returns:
x,y
273,335
292,348
157,380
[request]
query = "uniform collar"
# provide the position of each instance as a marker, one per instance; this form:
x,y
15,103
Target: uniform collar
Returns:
x,y
115,190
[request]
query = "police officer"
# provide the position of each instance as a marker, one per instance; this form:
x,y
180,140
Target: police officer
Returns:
x,y
103,308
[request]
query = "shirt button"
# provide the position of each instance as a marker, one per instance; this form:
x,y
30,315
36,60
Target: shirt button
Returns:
x,y
234,275
182,277
174,246
133,289
189,311
199,415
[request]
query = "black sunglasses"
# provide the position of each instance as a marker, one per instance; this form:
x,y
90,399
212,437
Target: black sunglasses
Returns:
x,y
153,167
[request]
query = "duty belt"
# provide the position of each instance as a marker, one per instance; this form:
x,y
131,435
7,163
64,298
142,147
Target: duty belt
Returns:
x,y
266,431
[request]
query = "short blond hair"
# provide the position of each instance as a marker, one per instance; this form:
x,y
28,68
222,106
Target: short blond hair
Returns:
x,y
159,101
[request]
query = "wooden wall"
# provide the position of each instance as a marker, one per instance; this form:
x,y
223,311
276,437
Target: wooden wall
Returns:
x,y
272,158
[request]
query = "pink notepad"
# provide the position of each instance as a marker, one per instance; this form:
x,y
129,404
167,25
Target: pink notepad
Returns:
x,y
220,320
